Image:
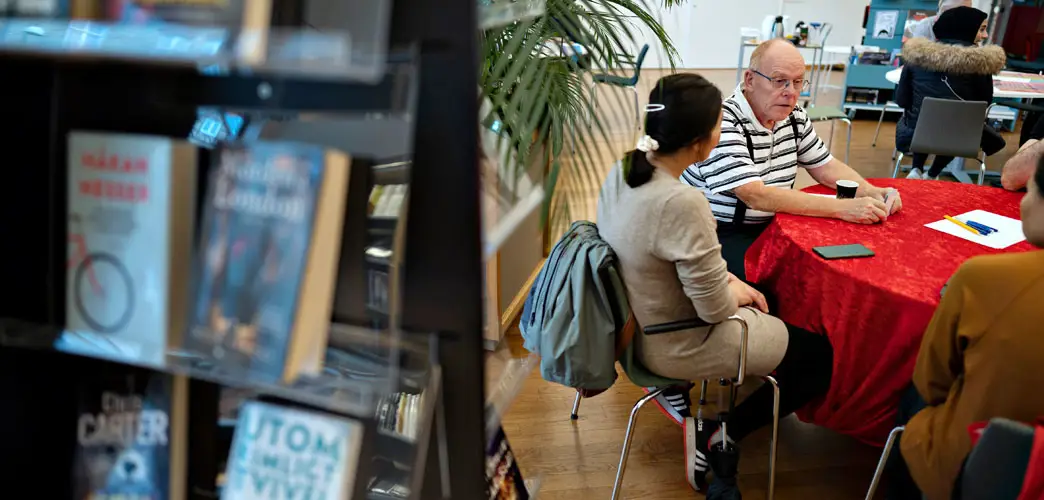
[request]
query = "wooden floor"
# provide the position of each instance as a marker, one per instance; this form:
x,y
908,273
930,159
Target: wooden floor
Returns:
x,y
577,460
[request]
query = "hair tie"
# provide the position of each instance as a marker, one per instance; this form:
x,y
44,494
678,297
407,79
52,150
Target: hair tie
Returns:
x,y
651,108
647,144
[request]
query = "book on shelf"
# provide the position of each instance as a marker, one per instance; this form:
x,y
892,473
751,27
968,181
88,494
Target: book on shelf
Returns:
x,y
131,435
390,481
503,477
267,259
284,453
130,219
36,8
400,413
194,12
387,200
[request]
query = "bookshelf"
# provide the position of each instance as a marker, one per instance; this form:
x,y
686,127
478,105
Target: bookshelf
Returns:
x,y
402,95
865,85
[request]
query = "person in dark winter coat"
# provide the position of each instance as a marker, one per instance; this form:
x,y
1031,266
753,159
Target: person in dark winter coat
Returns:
x,y
953,67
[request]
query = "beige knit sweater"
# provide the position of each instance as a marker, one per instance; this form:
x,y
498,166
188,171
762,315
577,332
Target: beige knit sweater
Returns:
x,y
664,237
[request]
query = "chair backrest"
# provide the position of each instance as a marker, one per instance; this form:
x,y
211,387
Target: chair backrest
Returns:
x,y
949,127
638,64
997,465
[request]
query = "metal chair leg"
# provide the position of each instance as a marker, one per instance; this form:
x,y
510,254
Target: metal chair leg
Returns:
x,y
593,105
622,466
637,111
774,446
576,406
848,145
830,142
982,168
898,160
892,436
880,120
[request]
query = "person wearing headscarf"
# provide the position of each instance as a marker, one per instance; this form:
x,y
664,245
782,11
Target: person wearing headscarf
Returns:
x,y
954,66
923,28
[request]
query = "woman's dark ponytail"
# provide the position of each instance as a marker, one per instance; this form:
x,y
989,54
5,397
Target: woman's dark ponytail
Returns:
x,y
637,169
683,108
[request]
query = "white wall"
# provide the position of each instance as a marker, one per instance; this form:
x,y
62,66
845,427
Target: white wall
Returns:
x,y
706,32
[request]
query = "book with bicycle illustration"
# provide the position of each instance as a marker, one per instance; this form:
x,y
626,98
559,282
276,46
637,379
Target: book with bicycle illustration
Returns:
x,y
130,219
267,261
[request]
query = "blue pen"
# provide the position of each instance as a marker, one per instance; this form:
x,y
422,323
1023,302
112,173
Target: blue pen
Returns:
x,y
982,228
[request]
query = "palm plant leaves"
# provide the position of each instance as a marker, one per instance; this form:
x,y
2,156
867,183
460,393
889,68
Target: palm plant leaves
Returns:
x,y
539,96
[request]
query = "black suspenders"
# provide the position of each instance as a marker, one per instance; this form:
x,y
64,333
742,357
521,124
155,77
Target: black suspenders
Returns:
x,y
741,208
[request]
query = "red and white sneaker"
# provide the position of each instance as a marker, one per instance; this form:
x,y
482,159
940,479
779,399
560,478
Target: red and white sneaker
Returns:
x,y
674,402
696,452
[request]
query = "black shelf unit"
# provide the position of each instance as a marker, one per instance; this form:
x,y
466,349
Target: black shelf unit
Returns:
x,y
48,94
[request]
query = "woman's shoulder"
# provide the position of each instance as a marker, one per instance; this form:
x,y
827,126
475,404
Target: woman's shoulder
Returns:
x,y
942,57
1003,271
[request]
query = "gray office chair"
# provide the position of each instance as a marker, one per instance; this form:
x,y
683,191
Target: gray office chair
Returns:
x,y
996,467
950,128
641,377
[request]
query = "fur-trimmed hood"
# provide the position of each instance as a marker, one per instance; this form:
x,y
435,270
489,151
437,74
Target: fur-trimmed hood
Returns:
x,y
958,59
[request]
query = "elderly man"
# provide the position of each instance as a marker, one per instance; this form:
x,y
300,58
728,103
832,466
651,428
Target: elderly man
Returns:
x,y
923,28
764,139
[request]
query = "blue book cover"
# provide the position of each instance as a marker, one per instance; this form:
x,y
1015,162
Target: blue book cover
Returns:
x,y
282,453
123,436
257,227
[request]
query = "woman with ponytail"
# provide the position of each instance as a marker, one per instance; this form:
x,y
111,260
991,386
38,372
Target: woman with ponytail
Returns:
x,y
664,236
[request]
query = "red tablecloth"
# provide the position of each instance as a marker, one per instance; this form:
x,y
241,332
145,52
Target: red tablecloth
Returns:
x,y
874,310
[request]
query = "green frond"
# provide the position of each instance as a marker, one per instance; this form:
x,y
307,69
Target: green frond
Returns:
x,y
542,100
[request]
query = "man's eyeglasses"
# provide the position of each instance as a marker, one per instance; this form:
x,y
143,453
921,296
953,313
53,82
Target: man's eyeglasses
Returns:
x,y
783,83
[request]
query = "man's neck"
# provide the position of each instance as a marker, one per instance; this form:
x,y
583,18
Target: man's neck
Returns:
x,y
769,124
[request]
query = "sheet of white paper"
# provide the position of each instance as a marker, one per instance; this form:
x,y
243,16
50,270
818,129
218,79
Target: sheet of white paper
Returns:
x,y
1009,231
1001,78
824,195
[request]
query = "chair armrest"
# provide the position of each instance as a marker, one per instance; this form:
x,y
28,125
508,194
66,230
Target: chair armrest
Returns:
x,y
743,347
696,323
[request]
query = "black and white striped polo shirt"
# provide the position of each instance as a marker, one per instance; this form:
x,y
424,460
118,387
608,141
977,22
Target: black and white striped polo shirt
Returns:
x,y
777,156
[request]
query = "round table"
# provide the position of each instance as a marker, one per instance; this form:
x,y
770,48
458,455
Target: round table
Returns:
x,y
874,310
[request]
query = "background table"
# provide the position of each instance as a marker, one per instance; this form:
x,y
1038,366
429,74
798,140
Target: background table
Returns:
x,y
874,310
894,76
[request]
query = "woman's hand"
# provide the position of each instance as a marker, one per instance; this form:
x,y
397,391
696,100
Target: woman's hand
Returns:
x,y
746,295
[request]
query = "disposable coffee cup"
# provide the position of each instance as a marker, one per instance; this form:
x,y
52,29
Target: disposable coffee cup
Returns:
x,y
846,189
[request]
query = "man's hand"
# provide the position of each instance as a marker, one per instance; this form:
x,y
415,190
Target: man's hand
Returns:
x,y
897,205
865,210
746,295
882,195
1029,143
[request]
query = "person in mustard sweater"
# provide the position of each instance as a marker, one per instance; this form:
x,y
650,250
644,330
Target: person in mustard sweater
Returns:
x,y
981,357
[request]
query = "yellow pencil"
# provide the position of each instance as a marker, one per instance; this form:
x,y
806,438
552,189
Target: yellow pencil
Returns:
x,y
959,223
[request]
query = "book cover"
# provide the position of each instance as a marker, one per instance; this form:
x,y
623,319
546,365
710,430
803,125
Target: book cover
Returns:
x,y
503,476
285,453
123,434
257,227
130,215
